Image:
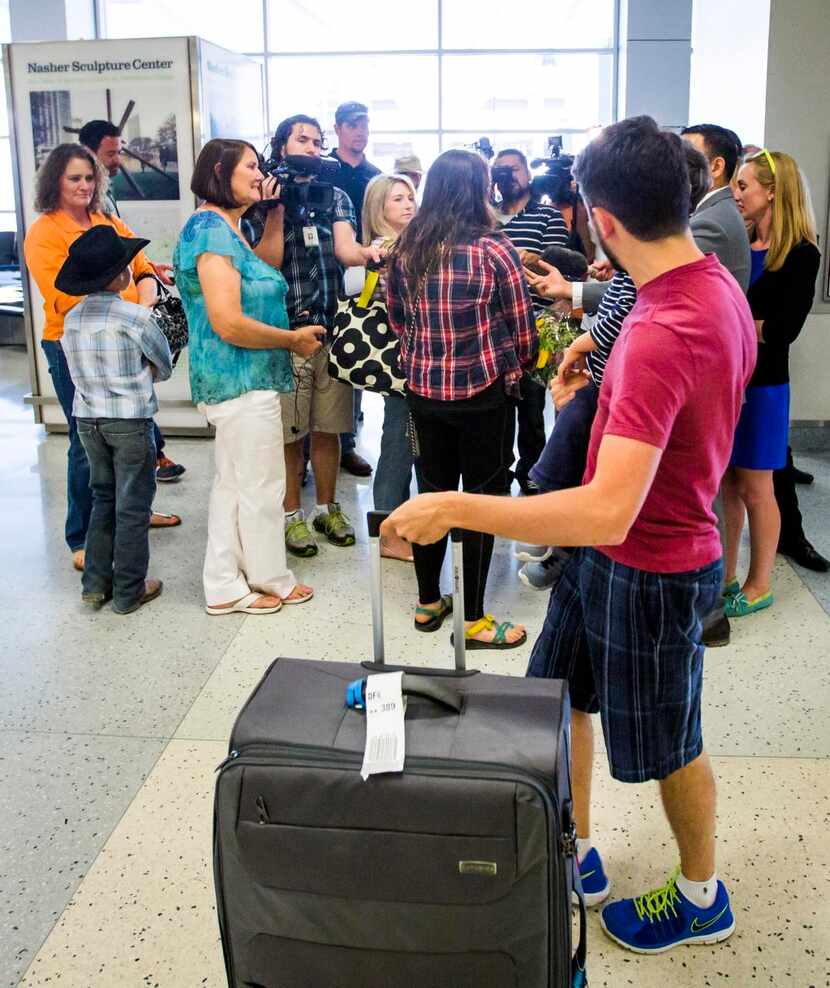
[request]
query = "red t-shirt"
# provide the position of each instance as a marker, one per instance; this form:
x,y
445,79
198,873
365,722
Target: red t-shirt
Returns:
x,y
675,380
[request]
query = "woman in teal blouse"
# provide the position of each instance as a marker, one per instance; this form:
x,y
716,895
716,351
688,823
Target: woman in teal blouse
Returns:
x,y
239,363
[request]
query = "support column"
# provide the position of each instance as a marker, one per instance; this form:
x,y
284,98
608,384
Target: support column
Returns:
x,y
655,56
52,20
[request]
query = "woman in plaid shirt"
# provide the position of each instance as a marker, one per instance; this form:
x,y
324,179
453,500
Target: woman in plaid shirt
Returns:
x,y
458,301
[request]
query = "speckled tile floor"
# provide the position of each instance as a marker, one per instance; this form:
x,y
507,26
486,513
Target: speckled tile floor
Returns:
x,y
111,729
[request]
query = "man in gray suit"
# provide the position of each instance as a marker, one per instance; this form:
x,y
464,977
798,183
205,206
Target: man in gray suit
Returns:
x,y
718,228
716,224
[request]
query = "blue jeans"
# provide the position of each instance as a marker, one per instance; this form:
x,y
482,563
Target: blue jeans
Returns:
x,y
78,493
394,471
562,463
122,461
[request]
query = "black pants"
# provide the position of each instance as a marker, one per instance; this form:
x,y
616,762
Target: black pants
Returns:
x,y
792,526
470,440
530,413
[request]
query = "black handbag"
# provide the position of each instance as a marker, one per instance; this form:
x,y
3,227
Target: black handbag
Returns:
x,y
364,351
171,318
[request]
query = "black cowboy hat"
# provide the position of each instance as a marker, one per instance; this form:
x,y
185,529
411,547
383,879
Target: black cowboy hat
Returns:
x,y
95,259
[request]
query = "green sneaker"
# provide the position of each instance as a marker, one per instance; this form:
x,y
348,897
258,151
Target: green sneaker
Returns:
x,y
298,539
334,525
740,606
732,589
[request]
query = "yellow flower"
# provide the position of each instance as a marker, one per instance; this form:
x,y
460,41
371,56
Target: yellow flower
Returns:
x,y
542,359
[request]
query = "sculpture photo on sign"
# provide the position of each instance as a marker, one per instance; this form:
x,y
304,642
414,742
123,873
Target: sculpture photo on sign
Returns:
x,y
149,169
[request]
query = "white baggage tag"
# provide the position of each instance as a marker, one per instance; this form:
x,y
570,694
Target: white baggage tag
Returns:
x,y
385,710
310,236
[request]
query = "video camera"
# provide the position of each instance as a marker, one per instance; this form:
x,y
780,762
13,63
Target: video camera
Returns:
x,y
556,181
303,200
483,146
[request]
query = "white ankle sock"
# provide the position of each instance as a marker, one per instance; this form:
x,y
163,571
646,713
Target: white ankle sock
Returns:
x,y
290,515
702,894
583,846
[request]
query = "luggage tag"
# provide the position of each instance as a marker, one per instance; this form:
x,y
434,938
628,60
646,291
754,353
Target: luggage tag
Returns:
x,y
310,236
385,709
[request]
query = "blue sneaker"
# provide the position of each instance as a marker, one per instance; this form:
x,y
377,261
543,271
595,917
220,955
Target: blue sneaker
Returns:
x,y
595,885
660,920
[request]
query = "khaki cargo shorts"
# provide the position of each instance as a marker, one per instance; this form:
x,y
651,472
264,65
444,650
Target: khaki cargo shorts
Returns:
x,y
318,402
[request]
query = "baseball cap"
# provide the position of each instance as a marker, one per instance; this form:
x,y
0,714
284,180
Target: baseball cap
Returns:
x,y
350,112
408,163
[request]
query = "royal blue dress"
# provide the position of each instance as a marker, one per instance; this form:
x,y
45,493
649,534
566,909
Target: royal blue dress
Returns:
x,y
763,427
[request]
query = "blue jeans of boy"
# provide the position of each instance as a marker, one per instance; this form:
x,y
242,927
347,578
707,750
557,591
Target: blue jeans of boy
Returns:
x,y
78,493
122,462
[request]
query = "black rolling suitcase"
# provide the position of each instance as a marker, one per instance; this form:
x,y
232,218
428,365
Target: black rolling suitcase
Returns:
x,y
455,873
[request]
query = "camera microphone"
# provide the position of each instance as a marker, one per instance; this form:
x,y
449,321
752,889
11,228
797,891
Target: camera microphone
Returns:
x,y
304,164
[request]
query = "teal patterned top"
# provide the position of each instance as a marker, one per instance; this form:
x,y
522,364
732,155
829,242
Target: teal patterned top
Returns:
x,y
220,371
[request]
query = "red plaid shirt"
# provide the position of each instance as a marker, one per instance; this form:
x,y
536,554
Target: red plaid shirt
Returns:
x,y
474,321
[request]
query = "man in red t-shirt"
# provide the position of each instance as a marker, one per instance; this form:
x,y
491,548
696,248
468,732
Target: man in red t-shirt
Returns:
x,y
624,621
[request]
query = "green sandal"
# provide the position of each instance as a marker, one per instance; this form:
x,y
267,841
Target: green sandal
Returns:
x,y
488,622
739,606
437,615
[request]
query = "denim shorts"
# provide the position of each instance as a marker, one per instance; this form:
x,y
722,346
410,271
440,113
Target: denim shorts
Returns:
x,y
629,645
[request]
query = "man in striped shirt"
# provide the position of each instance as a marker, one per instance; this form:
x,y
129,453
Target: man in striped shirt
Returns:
x,y
530,225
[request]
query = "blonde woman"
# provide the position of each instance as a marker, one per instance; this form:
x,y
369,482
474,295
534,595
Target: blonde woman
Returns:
x,y
388,207
771,195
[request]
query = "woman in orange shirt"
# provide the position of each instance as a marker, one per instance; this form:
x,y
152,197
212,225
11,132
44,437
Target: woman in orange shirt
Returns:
x,y
69,193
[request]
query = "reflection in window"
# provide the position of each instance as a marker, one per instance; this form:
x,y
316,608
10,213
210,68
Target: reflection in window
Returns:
x,y
6,181
356,25
538,92
243,31
317,85
534,24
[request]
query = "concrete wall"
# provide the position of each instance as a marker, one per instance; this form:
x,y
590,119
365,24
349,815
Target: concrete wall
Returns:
x,y
729,48
798,121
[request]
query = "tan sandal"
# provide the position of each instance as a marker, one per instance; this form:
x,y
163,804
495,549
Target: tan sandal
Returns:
x,y
243,606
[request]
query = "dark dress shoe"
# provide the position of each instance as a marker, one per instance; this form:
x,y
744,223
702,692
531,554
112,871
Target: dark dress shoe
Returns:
x,y
718,632
355,465
802,477
805,554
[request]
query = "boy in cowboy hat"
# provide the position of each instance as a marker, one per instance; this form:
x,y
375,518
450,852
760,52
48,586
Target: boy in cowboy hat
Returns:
x,y
115,350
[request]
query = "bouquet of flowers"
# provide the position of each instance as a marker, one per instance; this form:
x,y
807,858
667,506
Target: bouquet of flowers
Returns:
x,y
556,333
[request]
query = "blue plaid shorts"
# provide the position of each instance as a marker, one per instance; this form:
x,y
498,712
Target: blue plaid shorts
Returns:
x,y
629,645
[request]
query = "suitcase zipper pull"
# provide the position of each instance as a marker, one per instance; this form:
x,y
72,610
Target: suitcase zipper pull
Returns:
x,y
262,810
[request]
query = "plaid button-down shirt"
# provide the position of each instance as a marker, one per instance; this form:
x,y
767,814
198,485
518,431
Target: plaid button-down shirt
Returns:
x,y
109,345
474,321
314,274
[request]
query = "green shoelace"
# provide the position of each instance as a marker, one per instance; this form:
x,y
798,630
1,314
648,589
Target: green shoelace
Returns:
x,y
655,906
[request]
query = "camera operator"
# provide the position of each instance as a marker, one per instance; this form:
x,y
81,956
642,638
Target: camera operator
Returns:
x,y
312,246
530,225
351,124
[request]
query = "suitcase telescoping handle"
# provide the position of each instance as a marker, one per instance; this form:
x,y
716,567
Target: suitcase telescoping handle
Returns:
x,y
374,520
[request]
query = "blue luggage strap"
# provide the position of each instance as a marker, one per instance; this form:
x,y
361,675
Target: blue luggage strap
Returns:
x,y
356,694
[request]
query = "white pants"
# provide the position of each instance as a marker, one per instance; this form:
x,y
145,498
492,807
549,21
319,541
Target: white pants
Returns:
x,y
246,534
